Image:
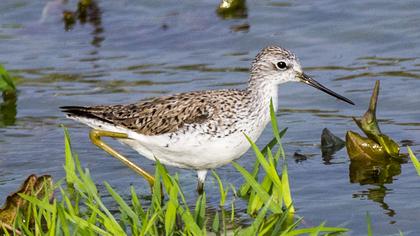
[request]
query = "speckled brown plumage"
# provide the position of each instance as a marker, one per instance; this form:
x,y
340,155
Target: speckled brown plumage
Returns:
x,y
201,130
166,114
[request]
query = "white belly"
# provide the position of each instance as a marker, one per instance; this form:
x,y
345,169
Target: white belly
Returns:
x,y
190,150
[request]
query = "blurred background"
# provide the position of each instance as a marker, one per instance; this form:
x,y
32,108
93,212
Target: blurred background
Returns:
x,y
108,52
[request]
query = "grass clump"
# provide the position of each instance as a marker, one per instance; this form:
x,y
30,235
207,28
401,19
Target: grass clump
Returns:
x,y
78,208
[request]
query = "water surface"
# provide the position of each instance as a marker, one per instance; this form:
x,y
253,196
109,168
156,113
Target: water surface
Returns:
x,y
130,50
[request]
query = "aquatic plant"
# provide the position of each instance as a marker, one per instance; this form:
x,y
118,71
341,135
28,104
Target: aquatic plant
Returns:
x,y
377,147
79,208
7,84
230,9
8,109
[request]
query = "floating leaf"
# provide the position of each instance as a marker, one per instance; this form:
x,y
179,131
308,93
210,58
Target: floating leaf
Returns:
x,y
361,148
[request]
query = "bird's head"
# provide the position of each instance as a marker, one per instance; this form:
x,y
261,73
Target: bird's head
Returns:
x,y
276,65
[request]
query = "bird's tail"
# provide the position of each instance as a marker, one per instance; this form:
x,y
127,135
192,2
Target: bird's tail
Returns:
x,y
81,112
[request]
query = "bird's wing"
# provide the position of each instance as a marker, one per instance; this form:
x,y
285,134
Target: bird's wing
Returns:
x,y
155,117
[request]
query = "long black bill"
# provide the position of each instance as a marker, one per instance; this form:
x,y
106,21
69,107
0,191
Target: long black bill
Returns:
x,y
309,81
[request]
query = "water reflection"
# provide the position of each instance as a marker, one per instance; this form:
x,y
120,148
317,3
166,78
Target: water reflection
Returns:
x,y
88,11
377,174
366,172
377,194
8,109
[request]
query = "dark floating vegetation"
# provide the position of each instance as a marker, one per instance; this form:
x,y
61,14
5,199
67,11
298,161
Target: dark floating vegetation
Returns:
x,y
330,144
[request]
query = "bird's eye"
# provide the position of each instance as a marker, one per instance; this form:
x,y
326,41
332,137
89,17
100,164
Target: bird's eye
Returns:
x,y
281,65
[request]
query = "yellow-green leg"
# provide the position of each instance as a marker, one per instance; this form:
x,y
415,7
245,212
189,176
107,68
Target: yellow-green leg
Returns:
x,y
96,135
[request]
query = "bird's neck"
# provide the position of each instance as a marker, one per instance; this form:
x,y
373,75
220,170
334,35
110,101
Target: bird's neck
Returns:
x,y
260,92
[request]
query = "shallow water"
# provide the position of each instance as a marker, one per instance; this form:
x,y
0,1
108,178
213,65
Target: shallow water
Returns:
x,y
131,51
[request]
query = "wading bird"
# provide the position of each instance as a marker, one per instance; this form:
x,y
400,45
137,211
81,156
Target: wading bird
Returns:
x,y
197,130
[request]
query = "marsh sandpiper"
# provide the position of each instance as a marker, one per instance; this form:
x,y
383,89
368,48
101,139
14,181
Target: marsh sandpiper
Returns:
x,y
197,130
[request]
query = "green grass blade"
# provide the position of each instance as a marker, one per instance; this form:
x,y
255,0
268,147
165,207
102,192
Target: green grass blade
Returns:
x,y
276,208
80,222
69,165
200,210
274,124
124,207
287,195
414,159
215,226
151,222
107,219
255,203
244,189
157,191
268,224
222,191
274,141
269,169
163,173
40,204
170,215
317,230
369,224
259,220
137,207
